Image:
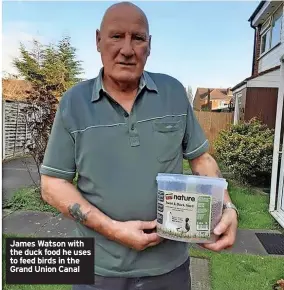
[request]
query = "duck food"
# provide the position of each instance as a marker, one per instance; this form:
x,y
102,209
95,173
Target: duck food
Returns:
x,y
189,207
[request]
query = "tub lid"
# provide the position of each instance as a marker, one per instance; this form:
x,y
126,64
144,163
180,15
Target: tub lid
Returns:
x,y
184,178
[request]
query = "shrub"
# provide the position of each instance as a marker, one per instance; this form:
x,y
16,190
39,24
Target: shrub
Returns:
x,y
246,149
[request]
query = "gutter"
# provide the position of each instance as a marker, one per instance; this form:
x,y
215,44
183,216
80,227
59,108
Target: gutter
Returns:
x,y
260,5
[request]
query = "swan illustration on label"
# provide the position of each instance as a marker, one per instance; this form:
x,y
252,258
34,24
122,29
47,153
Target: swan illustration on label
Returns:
x,y
183,216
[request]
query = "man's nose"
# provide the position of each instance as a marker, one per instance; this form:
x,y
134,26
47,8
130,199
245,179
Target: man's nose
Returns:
x,y
127,48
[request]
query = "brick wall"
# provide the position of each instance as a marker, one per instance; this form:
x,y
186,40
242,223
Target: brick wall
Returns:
x,y
257,51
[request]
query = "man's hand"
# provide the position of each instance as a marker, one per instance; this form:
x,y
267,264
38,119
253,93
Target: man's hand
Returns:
x,y
226,229
137,235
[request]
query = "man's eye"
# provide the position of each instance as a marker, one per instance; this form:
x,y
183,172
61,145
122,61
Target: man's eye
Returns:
x,y
116,36
140,38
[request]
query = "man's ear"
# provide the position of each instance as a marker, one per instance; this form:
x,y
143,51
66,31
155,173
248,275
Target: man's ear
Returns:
x,y
149,50
98,40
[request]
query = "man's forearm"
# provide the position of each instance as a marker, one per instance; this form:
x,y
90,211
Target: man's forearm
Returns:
x,y
65,197
205,165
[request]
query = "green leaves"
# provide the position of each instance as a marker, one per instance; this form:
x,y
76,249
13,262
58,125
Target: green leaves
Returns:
x,y
51,70
247,150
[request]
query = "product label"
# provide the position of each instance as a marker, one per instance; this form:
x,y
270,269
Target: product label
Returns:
x,y
183,215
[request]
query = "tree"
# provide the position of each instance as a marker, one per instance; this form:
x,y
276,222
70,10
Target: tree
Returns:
x,y
50,70
190,94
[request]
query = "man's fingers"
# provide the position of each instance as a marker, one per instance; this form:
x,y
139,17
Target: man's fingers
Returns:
x,y
159,240
151,238
147,225
226,241
223,225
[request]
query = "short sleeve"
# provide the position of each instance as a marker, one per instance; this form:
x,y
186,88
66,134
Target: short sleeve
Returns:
x,y
59,158
195,142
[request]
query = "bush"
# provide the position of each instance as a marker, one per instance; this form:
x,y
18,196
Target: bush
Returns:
x,y
246,149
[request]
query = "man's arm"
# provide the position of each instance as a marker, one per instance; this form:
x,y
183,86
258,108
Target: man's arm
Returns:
x,y
205,165
64,196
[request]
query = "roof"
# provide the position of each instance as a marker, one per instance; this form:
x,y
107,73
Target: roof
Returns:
x,y
260,5
255,76
215,93
15,90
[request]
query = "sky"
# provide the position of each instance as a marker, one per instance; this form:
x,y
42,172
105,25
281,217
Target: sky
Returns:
x,y
202,44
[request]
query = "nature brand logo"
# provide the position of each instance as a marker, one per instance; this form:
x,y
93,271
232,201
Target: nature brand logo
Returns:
x,y
169,196
184,198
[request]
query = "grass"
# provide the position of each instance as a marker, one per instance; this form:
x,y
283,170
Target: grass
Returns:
x,y
253,207
237,271
24,287
28,198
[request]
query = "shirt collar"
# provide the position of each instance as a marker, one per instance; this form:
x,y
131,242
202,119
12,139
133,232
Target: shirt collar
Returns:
x,y
145,81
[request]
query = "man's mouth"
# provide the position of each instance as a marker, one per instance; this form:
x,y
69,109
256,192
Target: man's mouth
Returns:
x,y
127,63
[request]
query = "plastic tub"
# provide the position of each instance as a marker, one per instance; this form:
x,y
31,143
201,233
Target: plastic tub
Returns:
x,y
189,207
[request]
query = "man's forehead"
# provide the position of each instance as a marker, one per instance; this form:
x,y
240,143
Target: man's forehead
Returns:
x,y
124,14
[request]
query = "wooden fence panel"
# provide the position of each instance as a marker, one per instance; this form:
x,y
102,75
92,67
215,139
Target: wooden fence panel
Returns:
x,y
15,131
212,123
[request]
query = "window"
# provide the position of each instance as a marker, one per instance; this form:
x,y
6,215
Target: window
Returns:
x,y
265,40
276,28
271,31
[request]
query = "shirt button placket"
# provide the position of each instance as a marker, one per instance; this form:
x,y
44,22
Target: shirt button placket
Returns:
x,y
133,134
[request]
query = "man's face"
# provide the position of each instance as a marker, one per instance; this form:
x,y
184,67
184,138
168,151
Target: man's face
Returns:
x,y
124,44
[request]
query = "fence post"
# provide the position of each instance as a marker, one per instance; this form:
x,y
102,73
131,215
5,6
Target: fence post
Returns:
x,y
16,129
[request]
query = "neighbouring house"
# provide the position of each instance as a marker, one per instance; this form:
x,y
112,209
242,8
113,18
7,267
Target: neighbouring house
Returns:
x,y
14,129
261,95
212,99
256,96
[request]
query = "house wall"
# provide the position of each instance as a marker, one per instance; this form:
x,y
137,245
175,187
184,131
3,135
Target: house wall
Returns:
x,y
261,103
217,104
269,80
196,103
272,58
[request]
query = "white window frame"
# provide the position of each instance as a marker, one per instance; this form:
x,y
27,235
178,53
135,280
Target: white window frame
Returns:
x,y
266,29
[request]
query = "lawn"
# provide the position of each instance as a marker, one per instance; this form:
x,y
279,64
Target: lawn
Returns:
x,y
253,207
242,272
28,198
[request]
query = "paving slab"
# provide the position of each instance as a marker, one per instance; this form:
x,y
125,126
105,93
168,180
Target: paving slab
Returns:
x,y
200,275
248,243
58,226
25,222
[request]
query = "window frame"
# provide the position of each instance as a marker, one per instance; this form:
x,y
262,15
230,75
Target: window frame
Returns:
x,y
267,29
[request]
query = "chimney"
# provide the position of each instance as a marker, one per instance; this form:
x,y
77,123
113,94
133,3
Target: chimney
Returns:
x,y
209,105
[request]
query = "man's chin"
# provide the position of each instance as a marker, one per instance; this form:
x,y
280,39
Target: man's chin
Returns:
x,y
125,76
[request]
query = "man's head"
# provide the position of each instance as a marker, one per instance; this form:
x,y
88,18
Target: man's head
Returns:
x,y
124,42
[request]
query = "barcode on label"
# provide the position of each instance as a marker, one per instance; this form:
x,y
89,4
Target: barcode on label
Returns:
x,y
202,227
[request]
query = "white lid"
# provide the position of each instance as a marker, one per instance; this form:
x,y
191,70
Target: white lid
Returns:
x,y
183,178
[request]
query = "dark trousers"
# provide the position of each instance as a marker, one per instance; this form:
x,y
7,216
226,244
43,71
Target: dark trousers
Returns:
x,y
178,279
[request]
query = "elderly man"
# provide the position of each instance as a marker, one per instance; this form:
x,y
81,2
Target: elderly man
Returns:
x,y
118,131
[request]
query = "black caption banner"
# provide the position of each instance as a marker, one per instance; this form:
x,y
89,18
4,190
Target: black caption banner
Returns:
x,y
50,261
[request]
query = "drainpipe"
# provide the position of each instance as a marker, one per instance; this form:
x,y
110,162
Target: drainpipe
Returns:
x,y
254,48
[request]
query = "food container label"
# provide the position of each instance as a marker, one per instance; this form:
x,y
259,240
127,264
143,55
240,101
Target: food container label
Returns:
x,y
183,215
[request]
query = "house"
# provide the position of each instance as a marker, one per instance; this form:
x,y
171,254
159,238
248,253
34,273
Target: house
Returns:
x,y
256,96
261,95
213,99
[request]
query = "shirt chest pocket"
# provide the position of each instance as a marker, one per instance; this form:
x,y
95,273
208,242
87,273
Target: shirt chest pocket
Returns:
x,y
168,136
